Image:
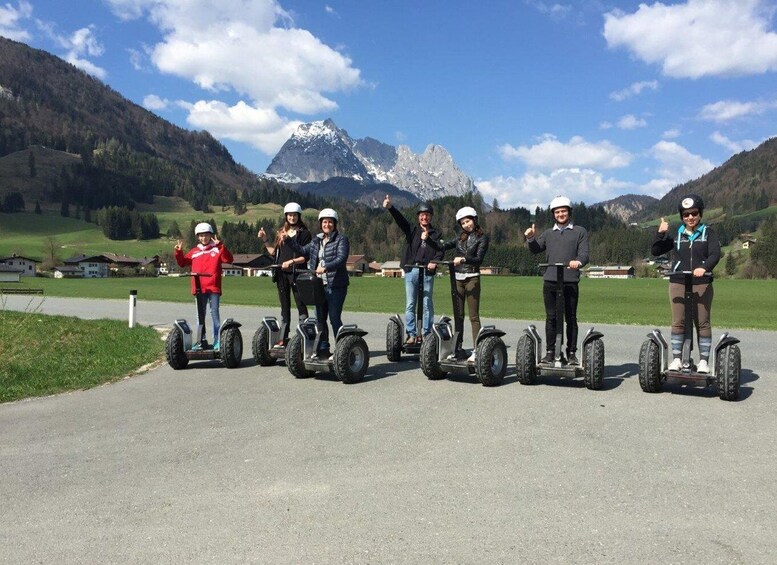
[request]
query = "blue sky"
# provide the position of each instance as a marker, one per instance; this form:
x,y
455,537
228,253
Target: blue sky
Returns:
x,y
533,98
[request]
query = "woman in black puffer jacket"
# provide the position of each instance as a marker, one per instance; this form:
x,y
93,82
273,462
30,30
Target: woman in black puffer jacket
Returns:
x,y
471,247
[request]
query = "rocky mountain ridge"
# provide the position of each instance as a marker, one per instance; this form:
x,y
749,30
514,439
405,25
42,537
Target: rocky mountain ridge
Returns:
x,y
318,151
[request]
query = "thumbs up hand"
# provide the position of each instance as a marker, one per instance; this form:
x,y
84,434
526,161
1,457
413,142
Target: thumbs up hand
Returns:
x,y
663,226
529,233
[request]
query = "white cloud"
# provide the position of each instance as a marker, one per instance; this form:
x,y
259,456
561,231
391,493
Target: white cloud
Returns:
x,y
672,133
550,153
155,103
79,45
733,146
698,38
676,165
634,89
262,128
727,110
538,189
605,125
629,121
248,46
11,20
555,10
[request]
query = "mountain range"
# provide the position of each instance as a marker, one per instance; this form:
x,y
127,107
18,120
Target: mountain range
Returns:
x,y
320,151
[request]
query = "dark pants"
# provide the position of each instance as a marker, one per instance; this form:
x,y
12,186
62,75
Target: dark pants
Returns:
x,y
467,290
332,308
285,289
571,292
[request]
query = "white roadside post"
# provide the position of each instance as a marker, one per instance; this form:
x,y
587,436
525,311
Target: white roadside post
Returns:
x,y
133,300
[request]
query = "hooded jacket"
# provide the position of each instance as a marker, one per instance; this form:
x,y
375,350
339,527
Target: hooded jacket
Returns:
x,y
205,259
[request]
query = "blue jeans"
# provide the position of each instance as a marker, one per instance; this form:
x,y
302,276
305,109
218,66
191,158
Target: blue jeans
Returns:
x,y
333,309
211,299
411,293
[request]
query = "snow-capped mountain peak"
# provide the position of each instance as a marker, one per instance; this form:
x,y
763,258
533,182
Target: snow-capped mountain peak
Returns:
x,y
319,150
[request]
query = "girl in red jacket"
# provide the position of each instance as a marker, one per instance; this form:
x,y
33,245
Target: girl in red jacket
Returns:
x,y
206,259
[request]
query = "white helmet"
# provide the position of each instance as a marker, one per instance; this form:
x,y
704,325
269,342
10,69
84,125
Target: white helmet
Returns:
x,y
560,202
292,208
328,213
466,212
203,227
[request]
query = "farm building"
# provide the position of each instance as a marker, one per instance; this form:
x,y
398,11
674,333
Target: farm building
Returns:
x,y
26,265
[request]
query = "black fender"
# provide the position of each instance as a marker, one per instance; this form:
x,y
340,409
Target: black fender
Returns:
x,y
488,331
349,329
398,321
591,335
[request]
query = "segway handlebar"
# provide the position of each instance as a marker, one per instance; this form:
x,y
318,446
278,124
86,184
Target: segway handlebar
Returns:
x,y
206,275
552,264
449,263
670,273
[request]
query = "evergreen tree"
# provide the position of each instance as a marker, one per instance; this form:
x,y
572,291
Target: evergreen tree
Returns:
x,y
37,208
31,163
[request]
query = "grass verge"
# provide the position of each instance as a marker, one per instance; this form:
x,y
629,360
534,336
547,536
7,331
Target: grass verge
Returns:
x,y
49,354
748,304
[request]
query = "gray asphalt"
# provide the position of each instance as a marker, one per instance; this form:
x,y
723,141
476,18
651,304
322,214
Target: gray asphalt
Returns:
x,y
210,465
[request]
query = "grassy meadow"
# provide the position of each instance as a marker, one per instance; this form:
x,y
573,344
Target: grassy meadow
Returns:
x,y
50,354
738,303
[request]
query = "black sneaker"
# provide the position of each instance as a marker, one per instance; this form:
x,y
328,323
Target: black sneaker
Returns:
x,y
549,358
572,358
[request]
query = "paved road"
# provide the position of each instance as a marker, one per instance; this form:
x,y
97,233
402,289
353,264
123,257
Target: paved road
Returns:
x,y
211,465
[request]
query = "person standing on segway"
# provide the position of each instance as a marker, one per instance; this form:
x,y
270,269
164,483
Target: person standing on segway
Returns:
x,y
697,249
471,247
564,243
327,255
418,251
206,259
284,255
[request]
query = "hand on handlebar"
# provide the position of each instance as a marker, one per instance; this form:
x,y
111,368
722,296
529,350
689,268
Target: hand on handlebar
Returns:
x,y
573,264
699,272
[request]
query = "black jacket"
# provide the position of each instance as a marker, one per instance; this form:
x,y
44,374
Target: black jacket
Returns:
x,y
700,250
473,249
413,242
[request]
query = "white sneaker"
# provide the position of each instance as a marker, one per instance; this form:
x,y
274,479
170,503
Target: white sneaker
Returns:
x,y
676,364
703,367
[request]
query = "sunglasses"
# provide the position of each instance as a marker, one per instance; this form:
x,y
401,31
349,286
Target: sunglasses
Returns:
x,y
691,214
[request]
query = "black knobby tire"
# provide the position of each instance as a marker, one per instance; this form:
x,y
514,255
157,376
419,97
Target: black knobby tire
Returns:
x,y
231,347
393,342
430,365
650,367
491,361
728,367
525,360
295,361
593,364
260,347
352,359
176,356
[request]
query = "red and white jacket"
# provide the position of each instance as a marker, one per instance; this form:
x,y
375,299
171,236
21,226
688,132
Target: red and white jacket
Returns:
x,y
205,259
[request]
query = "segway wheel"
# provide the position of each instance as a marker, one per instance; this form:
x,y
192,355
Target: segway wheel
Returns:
x,y
728,367
649,367
352,359
525,362
430,365
491,361
393,342
593,361
260,347
231,347
295,361
176,356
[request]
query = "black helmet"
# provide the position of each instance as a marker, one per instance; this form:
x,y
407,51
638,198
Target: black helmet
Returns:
x,y
691,201
423,207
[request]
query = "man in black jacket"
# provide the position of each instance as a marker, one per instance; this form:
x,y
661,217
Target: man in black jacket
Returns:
x,y
417,252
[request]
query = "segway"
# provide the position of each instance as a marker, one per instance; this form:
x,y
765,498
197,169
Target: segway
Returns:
x,y
179,345
264,345
725,363
438,351
528,355
351,357
395,330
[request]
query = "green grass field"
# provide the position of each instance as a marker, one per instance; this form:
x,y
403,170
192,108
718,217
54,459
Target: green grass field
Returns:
x,y
49,354
738,303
